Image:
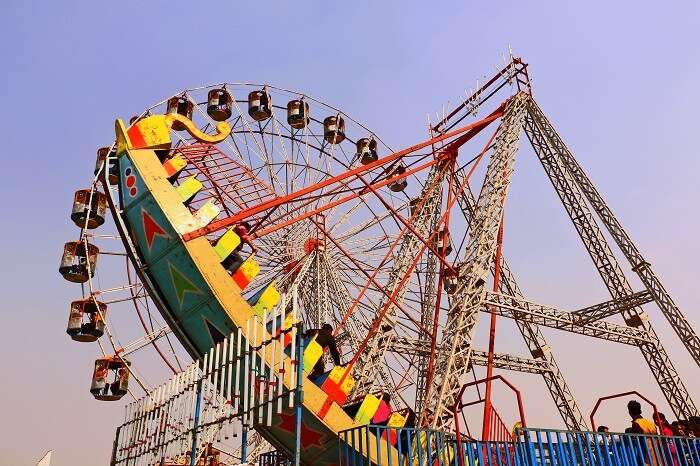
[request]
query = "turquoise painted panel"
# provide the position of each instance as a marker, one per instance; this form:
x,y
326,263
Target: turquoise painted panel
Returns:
x,y
207,325
151,230
131,186
191,305
180,282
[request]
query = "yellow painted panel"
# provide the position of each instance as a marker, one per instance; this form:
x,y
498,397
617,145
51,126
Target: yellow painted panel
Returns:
x,y
174,165
348,383
338,391
188,188
248,270
207,213
228,243
152,132
312,353
396,420
367,409
269,298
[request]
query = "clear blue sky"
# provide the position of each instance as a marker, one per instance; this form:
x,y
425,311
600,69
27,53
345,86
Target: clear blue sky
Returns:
x,y
618,78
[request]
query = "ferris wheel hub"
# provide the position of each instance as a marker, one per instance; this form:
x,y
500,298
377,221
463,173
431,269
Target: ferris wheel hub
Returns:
x,y
314,244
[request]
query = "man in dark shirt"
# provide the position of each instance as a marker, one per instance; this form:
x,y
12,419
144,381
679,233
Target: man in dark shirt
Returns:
x,y
325,338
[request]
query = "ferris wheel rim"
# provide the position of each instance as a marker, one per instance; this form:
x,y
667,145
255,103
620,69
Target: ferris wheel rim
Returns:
x,y
277,88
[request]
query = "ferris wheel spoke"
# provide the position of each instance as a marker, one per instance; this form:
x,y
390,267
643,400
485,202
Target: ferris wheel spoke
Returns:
x,y
261,150
286,161
239,144
268,156
145,341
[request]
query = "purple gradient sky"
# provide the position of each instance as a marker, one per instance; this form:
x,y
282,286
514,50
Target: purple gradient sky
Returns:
x,y
618,78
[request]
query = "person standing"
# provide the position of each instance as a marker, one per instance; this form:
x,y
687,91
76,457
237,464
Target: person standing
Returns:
x,y
640,425
324,337
643,426
665,430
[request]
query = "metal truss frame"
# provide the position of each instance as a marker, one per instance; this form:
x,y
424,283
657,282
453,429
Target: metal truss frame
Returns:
x,y
473,273
581,201
549,148
535,340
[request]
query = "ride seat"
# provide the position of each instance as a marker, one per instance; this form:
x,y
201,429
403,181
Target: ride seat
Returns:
x,y
336,387
265,299
247,271
173,166
188,188
364,409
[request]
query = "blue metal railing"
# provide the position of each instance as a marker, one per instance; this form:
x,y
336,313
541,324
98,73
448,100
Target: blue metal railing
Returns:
x,y
387,446
274,458
565,448
381,445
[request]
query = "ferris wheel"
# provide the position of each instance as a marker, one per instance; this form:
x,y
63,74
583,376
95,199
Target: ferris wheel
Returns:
x,y
338,246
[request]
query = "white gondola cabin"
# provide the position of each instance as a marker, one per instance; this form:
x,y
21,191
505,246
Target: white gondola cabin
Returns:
x,y
78,262
334,129
112,170
297,113
400,183
110,378
89,208
449,281
86,320
219,104
367,150
413,205
260,105
444,245
183,106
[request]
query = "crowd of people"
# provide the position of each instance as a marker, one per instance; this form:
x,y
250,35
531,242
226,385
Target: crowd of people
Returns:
x,y
659,425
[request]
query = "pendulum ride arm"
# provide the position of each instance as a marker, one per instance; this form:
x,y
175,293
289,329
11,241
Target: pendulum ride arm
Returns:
x,y
609,269
639,265
423,223
519,308
469,298
535,340
479,357
428,302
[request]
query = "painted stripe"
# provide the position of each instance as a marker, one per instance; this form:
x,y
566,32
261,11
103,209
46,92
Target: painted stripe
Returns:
x,y
135,136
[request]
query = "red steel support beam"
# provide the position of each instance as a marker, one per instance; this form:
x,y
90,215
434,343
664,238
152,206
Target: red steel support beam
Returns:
x,y
375,325
280,200
457,193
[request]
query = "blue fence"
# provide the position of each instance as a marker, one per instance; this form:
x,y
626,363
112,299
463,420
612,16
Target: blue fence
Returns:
x,y
562,448
386,446
274,458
